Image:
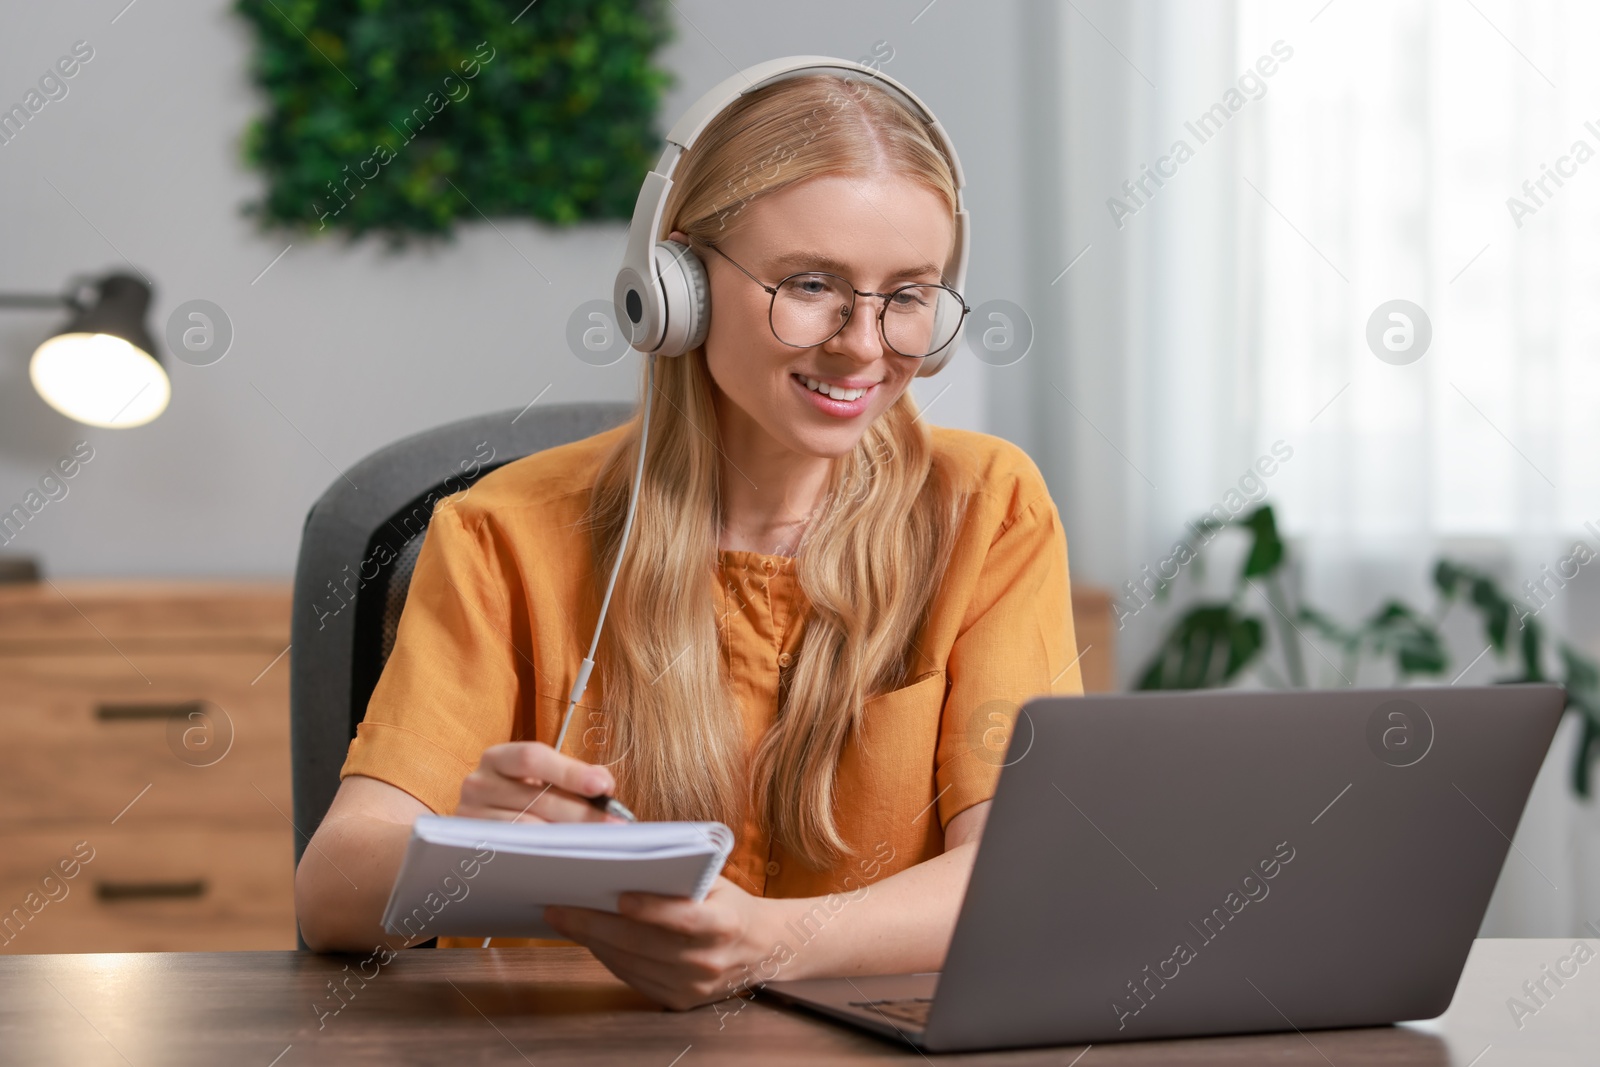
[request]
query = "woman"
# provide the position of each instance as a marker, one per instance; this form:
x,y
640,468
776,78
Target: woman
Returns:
x,y
825,621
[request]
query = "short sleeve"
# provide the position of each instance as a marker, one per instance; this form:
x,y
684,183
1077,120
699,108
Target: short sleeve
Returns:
x,y
453,682
1017,642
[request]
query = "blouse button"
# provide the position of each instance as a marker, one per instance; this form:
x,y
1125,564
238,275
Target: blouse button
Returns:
x,y
772,868
784,659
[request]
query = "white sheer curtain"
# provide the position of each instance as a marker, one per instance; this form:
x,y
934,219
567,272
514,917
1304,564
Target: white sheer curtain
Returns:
x,y
1379,168
1230,311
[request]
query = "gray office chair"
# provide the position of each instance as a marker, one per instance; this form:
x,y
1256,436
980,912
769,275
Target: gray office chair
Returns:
x,y
357,551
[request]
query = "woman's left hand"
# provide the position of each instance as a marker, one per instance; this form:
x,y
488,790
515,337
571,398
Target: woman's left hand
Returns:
x,y
679,952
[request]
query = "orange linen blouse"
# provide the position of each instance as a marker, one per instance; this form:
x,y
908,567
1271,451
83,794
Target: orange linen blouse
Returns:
x,y
503,602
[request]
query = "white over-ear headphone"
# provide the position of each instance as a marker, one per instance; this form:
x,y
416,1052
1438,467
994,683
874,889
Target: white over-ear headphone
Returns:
x,y
661,296
663,302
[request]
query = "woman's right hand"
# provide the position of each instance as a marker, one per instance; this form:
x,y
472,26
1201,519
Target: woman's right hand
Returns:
x,y
528,781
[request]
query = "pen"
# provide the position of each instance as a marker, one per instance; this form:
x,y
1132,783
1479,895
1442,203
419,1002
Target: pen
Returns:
x,y
612,806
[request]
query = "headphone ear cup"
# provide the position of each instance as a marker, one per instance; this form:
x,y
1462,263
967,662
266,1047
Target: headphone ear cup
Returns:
x,y
685,297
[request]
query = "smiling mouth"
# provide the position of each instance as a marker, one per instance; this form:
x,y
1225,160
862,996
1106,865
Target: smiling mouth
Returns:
x,y
831,391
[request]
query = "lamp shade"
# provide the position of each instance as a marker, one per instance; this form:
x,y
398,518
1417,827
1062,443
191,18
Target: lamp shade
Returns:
x,y
101,368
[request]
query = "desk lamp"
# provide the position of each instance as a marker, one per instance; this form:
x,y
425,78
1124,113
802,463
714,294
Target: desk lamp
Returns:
x,y
101,368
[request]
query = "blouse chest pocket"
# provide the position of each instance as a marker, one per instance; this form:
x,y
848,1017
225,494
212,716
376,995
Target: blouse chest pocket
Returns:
x,y
920,702
885,777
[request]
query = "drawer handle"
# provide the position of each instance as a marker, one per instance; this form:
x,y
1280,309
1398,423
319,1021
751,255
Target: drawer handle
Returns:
x,y
149,890
133,712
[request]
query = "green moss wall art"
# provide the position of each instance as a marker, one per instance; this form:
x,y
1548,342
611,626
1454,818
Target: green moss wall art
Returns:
x,y
397,118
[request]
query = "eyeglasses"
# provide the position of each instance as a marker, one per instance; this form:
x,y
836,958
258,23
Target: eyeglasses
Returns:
x,y
810,307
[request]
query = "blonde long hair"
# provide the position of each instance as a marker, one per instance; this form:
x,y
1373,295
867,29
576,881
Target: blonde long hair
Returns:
x,y
885,524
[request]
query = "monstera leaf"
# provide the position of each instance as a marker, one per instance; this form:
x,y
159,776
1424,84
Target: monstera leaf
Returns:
x,y
1208,646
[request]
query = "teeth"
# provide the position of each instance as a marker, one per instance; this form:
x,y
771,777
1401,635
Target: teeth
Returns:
x,y
832,390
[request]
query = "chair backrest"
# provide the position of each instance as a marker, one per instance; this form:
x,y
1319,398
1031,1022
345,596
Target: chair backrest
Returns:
x,y
357,551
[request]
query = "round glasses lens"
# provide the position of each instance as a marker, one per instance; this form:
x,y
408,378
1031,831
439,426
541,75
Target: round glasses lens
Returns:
x,y
810,308
918,320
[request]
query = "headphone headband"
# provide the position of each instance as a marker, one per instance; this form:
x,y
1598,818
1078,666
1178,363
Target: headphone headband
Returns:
x,y
664,315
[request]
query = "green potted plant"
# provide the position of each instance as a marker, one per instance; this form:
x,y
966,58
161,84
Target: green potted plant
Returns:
x,y
1213,642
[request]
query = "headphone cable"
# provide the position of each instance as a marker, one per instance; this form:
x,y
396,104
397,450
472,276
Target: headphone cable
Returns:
x,y
616,568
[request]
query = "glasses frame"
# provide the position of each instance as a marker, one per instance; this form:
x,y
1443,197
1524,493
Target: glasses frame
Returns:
x,y
772,291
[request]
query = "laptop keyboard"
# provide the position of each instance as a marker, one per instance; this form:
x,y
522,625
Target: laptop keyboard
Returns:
x,y
906,1009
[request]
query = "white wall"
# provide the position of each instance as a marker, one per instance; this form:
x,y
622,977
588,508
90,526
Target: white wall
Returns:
x,y
340,350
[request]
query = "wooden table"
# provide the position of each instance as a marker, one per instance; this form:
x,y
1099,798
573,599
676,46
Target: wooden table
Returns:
x,y
559,1006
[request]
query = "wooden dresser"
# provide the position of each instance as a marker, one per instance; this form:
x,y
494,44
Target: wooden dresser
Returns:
x,y
1095,626
144,728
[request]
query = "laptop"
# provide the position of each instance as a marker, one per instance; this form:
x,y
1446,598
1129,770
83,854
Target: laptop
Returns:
x,y
1161,865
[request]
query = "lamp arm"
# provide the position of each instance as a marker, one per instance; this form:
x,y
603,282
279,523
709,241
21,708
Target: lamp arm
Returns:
x,y
36,300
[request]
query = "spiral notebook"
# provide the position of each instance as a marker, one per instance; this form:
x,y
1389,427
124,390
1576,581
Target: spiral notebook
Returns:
x,y
485,878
